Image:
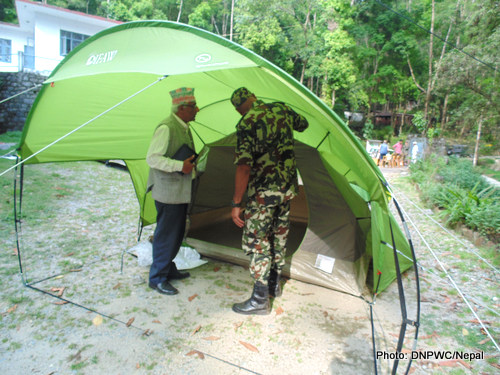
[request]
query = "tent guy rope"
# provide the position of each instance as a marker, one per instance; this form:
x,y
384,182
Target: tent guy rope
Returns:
x,y
83,125
452,281
451,234
20,93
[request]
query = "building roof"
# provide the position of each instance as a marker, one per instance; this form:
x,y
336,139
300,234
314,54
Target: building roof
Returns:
x,y
26,10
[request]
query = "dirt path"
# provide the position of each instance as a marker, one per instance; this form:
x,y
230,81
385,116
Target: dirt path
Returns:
x,y
120,326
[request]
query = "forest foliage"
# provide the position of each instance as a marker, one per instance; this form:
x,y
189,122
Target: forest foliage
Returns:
x,y
434,58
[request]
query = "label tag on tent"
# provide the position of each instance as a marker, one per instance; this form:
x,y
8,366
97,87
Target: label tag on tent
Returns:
x,y
325,263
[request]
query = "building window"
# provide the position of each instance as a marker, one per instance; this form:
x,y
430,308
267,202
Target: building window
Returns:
x,y
5,50
70,40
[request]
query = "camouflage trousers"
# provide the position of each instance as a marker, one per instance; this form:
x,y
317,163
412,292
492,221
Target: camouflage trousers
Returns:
x,y
264,237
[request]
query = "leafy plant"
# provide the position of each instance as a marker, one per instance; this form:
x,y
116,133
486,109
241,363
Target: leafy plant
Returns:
x,y
368,130
420,122
461,192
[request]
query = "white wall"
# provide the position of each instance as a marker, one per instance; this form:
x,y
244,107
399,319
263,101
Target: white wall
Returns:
x,y
18,40
47,38
43,24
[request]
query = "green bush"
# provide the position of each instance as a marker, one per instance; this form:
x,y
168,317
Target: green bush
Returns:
x,y
461,173
454,186
486,220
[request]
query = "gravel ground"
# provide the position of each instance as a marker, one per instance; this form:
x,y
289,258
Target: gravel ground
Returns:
x,y
117,325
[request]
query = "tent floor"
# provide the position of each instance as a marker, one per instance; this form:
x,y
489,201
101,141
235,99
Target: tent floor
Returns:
x,y
224,232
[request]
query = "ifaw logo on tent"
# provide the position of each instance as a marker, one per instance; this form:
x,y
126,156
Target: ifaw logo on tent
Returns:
x,y
204,60
101,57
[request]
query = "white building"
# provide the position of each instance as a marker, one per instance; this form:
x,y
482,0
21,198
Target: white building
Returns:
x,y
44,36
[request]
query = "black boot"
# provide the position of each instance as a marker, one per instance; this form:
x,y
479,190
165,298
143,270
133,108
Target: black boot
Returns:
x,y
275,284
258,304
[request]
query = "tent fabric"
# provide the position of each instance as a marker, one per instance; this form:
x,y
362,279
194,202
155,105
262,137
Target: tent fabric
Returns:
x,y
345,192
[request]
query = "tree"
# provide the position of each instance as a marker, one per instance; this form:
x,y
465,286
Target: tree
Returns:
x,y
473,71
7,11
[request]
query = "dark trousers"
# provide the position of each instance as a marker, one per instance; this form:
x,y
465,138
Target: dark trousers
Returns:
x,y
169,232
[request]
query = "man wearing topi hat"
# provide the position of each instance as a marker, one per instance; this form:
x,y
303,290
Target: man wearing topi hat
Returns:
x,y
170,182
266,170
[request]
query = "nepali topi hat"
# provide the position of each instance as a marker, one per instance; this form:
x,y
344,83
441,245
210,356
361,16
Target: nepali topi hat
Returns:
x,y
183,95
240,96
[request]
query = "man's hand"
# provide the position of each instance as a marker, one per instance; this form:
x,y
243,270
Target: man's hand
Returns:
x,y
188,165
235,214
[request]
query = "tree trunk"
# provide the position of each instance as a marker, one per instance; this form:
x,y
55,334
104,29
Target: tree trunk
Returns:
x,y
445,109
232,18
429,83
302,74
180,11
333,98
476,149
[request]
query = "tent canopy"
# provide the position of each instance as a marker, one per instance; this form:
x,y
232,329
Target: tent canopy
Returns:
x,y
117,83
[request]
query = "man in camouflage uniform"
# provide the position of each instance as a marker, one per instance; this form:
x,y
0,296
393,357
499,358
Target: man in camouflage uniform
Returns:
x,y
266,169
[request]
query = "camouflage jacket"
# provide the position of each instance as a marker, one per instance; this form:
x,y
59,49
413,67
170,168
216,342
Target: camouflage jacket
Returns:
x,y
265,143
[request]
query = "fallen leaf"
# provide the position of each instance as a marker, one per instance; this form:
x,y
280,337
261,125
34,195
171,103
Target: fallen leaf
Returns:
x,y
60,302
156,321
449,363
211,338
447,300
192,297
475,321
97,321
237,325
279,310
69,254
137,365
496,365
484,341
76,356
465,332
130,321
75,270
325,314
433,335
147,332
117,286
216,269
465,364
14,251
199,354
12,309
249,346
196,330
58,277
59,291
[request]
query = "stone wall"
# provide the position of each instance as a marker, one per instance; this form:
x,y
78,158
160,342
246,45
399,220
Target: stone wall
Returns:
x,y
13,112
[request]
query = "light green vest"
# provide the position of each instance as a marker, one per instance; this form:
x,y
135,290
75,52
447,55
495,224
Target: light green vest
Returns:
x,y
174,187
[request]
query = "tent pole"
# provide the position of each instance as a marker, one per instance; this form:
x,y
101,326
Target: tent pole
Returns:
x,y
17,215
373,339
402,302
417,280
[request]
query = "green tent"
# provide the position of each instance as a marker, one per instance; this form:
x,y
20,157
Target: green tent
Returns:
x,y
114,89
